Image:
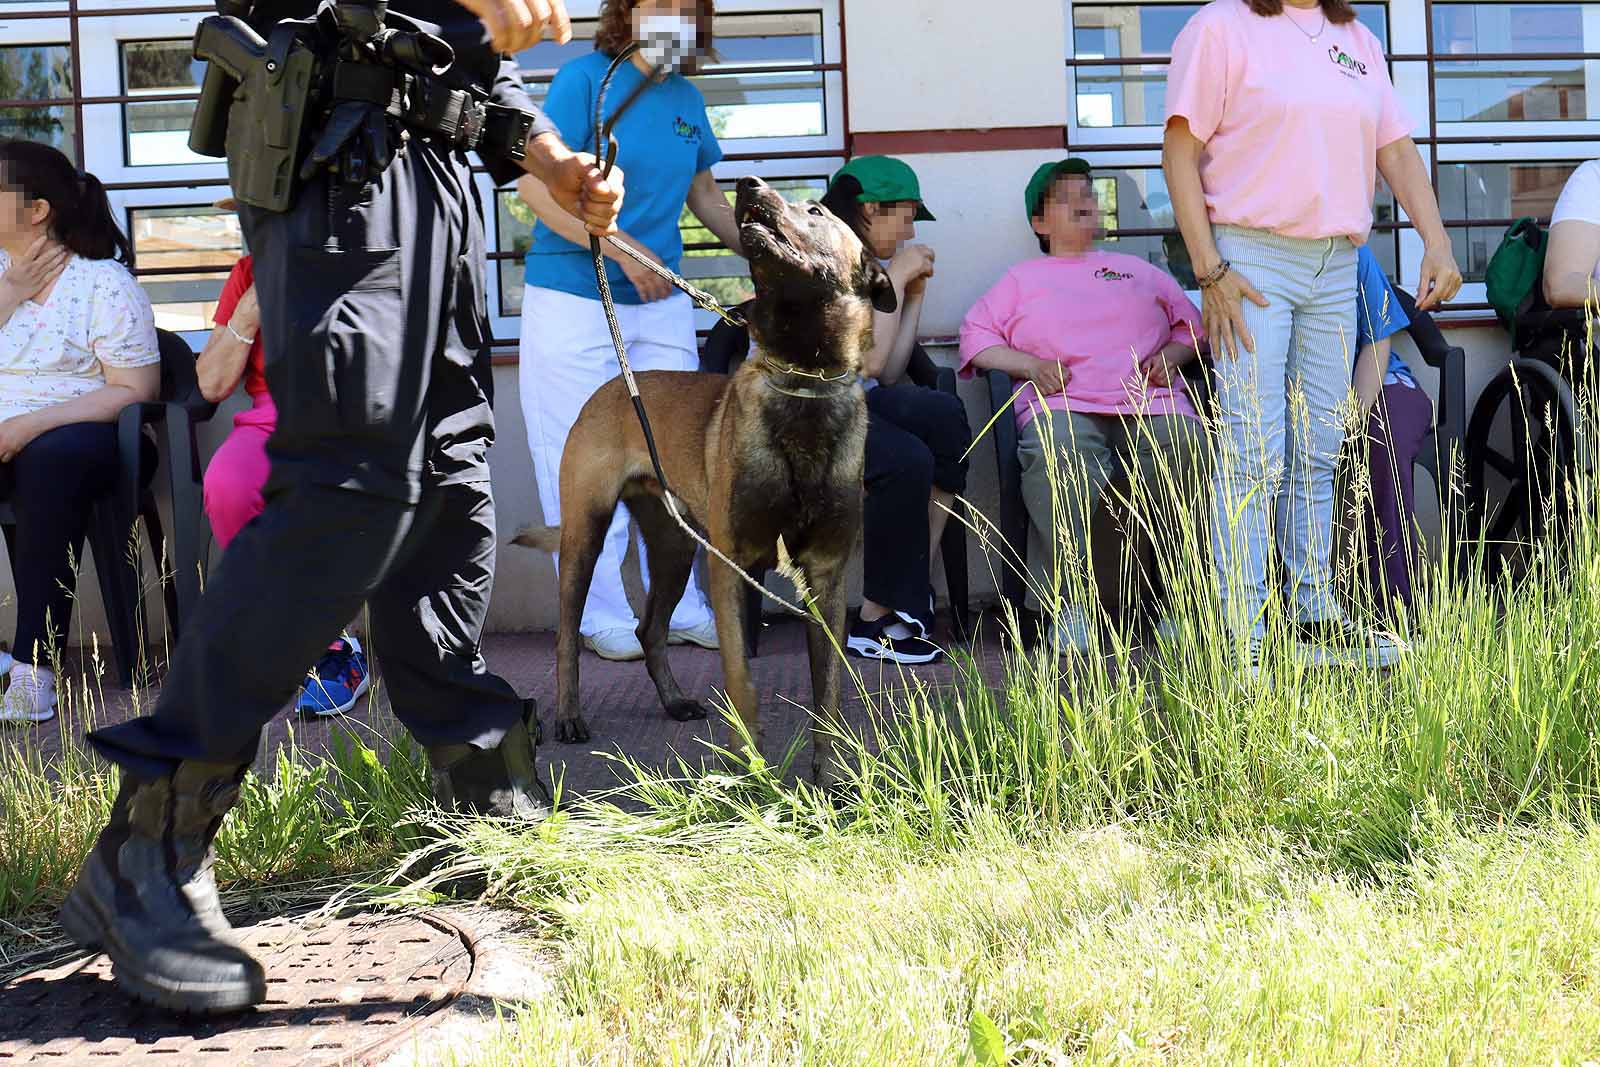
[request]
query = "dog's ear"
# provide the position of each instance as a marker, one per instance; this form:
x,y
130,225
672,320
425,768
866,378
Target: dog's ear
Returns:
x,y
878,283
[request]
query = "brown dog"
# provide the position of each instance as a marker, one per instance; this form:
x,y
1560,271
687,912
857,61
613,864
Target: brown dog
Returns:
x,y
773,451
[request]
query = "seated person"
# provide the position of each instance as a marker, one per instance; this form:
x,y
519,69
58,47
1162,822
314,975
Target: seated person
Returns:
x,y
237,472
917,438
77,345
1097,340
1398,417
1572,256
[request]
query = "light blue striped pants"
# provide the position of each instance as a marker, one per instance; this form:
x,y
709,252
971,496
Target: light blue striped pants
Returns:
x,y
1283,410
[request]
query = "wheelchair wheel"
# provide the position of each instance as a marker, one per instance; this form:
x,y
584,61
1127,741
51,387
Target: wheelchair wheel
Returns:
x,y
1521,454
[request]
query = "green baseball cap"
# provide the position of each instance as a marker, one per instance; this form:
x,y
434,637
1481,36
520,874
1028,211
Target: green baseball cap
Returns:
x,y
884,178
1045,176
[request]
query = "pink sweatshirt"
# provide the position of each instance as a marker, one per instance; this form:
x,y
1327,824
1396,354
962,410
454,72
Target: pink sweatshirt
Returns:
x,y
1099,314
1291,126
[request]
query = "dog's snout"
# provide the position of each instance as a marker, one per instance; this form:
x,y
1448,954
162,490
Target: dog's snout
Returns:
x,y
750,183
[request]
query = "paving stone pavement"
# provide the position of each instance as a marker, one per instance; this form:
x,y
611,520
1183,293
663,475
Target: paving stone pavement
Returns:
x,y
619,702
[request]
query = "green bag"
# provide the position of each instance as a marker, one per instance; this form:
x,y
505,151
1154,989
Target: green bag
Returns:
x,y
1512,278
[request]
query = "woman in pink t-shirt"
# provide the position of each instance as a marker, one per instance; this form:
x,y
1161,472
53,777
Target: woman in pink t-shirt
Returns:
x,y
1279,113
1095,340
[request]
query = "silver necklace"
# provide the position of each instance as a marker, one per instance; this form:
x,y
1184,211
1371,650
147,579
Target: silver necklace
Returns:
x,y
1312,37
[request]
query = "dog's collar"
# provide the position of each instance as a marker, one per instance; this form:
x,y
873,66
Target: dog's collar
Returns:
x,y
827,384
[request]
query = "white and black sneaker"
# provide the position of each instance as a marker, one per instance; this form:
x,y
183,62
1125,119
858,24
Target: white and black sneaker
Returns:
x,y
891,639
1342,643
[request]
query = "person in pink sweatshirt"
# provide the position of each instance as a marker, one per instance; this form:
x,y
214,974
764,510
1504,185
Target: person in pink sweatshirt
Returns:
x,y
1096,340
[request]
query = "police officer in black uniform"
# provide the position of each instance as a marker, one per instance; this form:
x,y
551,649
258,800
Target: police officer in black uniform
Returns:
x,y
370,279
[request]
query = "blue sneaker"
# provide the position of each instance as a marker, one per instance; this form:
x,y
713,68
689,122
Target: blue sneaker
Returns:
x,y
337,682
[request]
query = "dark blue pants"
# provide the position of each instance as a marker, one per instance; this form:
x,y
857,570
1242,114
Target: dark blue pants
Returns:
x,y
52,486
377,357
916,440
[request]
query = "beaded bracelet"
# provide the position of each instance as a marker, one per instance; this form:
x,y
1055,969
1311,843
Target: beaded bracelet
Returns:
x,y
1215,276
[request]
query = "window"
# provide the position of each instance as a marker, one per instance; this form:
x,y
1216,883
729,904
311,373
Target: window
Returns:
x,y
1525,89
1135,94
775,98
158,131
31,74
770,96
166,240
1500,107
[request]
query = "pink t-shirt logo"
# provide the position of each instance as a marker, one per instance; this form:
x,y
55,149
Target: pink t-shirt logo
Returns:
x,y
1109,275
1348,64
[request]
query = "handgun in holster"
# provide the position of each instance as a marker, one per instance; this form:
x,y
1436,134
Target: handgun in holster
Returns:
x,y
253,105
357,75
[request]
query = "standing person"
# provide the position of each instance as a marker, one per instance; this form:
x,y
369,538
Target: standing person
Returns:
x,y
237,472
1397,416
1278,114
667,146
1097,341
377,353
917,438
77,345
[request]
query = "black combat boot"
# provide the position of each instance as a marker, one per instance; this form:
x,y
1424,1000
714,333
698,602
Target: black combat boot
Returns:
x,y
147,897
499,781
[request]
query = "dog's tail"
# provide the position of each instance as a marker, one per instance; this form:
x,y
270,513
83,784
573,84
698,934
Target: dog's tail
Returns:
x,y
546,538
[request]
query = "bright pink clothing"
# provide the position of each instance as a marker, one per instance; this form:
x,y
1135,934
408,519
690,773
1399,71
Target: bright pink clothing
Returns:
x,y
1291,126
1100,314
238,471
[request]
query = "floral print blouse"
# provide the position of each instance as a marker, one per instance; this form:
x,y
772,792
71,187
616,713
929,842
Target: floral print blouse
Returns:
x,y
97,316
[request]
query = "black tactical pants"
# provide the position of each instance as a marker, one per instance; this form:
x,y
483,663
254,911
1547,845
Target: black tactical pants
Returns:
x,y
372,312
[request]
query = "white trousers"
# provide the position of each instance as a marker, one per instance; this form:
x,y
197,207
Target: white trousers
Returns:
x,y
566,355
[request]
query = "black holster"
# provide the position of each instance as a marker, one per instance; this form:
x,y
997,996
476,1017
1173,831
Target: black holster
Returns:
x,y
364,85
254,105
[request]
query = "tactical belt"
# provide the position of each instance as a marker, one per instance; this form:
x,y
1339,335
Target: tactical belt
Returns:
x,y
429,107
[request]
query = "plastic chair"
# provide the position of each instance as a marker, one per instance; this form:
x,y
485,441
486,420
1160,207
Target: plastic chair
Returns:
x,y
173,417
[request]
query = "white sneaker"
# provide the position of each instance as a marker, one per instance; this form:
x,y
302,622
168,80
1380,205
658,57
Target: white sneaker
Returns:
x,y
704,635
1072,631
618,643
31,696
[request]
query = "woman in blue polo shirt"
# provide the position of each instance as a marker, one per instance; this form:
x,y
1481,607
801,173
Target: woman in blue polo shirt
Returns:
x,y
666,149
1398,415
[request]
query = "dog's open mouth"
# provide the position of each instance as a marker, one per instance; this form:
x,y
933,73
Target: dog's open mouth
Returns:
x,y
760,238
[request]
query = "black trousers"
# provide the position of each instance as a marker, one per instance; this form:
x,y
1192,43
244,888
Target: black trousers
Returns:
x,y
377,358
916,439
52,486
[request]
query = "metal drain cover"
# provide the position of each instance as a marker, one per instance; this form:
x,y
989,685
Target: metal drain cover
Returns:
x,y
340,991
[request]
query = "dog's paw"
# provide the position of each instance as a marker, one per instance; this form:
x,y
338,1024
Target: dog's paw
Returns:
x,y
572,731
685,710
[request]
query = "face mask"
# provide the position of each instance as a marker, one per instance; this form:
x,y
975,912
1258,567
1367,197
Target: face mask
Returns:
x,y
667,41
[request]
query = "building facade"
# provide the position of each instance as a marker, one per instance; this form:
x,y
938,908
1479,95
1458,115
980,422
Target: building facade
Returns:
x,y
974,96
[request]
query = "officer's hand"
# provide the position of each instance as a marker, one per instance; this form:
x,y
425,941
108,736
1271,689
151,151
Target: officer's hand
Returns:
x,y
574,182
517,24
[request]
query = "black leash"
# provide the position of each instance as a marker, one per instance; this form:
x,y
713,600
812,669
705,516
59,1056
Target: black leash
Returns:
x,y
604,135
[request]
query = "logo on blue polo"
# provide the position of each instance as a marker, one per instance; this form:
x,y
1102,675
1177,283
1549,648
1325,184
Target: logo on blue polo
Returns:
x,y
688,131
